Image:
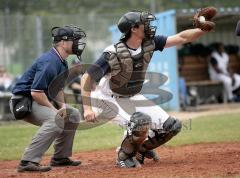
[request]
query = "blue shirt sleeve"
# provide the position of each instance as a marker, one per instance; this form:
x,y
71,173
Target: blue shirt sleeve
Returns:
x,y
160,42
99,68
45,73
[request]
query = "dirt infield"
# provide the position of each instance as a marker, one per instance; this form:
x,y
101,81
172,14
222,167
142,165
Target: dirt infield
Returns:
x,y
205,160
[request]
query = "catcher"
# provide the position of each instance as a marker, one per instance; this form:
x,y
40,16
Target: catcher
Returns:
x,y
121,73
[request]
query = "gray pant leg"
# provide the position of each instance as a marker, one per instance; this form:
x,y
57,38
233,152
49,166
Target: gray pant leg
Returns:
x,y
64,142
49,130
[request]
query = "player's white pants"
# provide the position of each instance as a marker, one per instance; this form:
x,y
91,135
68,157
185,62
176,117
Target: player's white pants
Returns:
x,y
227,82
121,109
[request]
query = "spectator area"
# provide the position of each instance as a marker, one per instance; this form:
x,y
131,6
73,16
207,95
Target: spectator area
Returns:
x,y
194,69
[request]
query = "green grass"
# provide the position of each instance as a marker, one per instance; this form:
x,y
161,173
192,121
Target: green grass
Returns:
x,y
224,128
16,136
220,128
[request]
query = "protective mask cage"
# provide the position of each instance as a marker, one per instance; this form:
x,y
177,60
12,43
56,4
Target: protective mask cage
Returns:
x,y
79,41
149,29
78,47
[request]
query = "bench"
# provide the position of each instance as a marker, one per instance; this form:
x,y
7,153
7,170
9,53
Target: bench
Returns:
x,y
5,113
234,63
194,70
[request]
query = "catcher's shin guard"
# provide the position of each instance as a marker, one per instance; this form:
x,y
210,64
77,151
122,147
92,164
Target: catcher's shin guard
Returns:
x,y
150,154
158,137
136,134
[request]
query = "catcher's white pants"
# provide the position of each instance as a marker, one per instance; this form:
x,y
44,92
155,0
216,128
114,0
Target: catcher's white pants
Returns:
x,y
121,109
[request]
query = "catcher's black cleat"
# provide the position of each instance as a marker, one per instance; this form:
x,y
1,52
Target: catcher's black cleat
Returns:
x,y
128,163
150,154
32,167
64,162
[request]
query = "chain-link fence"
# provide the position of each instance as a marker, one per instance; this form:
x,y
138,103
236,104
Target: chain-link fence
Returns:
x,y
23,38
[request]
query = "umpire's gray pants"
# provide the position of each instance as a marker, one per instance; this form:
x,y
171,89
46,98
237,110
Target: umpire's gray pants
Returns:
x,y
51,130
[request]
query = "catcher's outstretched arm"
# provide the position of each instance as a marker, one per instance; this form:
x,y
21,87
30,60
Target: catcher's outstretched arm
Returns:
x,y
183,37
201,21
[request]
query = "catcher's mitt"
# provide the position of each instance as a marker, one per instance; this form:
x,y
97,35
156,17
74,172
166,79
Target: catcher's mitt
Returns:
x,y
202,18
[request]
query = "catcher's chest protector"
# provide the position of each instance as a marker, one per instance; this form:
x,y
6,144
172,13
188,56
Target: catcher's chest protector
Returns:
x,y
127,73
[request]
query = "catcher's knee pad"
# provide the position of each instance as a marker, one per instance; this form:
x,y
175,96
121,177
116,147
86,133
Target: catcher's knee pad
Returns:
x,y
172,126
137,130
156,138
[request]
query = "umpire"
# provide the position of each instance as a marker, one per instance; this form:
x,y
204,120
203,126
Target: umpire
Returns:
x,y
33,102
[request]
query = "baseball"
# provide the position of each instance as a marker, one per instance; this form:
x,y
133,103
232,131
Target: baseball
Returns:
x,y
202,19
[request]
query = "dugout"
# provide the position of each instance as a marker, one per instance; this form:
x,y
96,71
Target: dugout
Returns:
x,y
193,63
169,23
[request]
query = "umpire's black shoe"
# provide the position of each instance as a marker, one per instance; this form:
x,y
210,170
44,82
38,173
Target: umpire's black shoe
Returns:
x,y
64,162
32,167
150,154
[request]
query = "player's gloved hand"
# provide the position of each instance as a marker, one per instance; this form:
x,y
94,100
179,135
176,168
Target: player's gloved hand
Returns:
x,y
203,18
89,115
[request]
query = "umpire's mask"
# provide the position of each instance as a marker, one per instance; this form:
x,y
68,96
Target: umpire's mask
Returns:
x,y
71,33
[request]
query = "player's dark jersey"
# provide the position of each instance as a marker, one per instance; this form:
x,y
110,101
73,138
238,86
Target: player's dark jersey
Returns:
x,y
43,71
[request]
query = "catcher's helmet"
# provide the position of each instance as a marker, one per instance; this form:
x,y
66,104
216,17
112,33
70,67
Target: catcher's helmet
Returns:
x,y
139,123
134,18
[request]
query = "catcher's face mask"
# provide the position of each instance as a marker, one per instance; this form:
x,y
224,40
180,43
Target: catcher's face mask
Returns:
x,y
71,33
146,19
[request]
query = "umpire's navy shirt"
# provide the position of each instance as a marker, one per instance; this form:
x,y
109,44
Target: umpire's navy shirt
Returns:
x,y
101,66
43,71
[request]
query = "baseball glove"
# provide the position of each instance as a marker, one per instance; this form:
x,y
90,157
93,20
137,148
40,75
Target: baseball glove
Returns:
x,y
202,18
